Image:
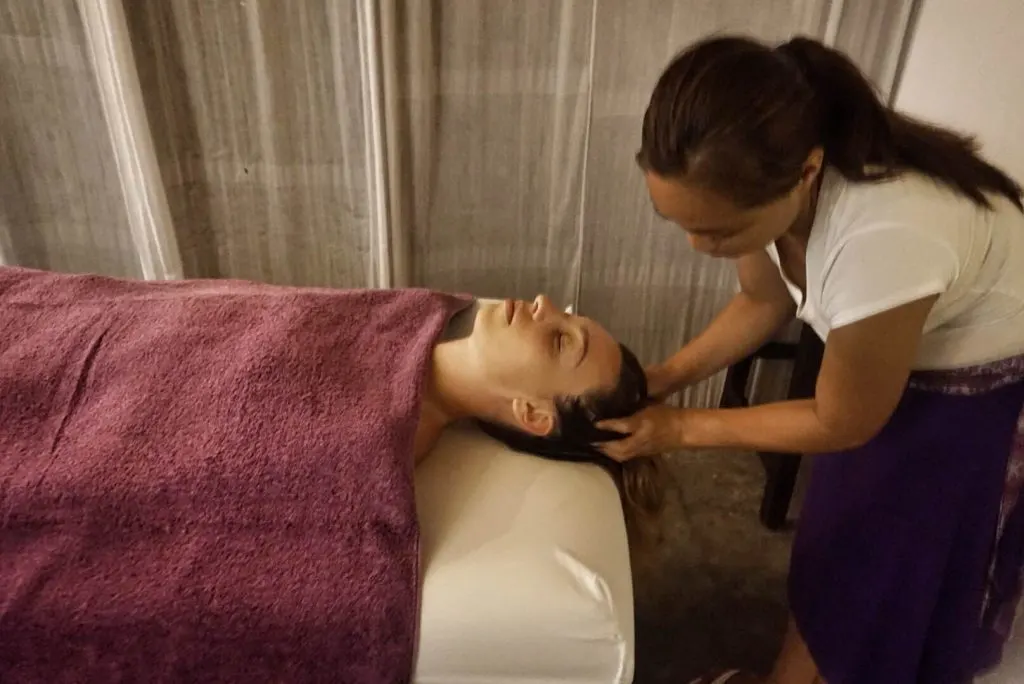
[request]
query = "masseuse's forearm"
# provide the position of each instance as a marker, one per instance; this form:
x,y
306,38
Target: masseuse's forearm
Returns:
x,y
739,329
787,426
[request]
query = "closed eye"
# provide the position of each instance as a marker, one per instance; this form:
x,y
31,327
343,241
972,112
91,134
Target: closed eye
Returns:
x,y
568,340
584,345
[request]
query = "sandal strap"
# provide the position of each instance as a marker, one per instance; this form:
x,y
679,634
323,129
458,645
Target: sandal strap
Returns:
x,y
726,677
722,678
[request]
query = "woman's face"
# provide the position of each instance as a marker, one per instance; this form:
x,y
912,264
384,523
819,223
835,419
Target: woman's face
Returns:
x,y
717,227
533,353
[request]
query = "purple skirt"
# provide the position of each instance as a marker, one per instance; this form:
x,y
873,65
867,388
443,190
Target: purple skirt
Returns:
x,y
908,558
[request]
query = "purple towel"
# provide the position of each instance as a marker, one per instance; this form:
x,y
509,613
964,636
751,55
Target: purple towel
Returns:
x,y
209,480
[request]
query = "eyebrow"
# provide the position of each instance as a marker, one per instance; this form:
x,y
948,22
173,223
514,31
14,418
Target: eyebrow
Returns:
x,y
585,335
695,231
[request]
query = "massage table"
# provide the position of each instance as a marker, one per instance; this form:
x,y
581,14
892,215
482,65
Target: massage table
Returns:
x,y
526,570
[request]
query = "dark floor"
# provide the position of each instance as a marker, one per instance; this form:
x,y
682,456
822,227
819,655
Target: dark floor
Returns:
x,y
712,593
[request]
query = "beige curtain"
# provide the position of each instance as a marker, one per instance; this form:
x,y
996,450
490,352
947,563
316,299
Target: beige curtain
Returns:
x,y
259,116
518,125
61,203
483,146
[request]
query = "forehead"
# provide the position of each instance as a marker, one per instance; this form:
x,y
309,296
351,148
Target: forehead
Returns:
x,y
603,363
692,207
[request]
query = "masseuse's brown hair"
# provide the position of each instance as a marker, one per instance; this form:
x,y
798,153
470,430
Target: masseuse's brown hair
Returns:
x,y
740,118
639,480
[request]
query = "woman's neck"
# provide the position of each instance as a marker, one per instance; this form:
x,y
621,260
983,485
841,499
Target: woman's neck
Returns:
x,y
449,388
450,392
431,424
439,404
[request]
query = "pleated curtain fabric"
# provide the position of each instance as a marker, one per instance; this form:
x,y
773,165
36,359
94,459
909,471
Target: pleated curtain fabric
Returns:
x,y
481,146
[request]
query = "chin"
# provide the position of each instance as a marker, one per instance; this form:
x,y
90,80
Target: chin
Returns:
x,y
489,317
494,310
728,254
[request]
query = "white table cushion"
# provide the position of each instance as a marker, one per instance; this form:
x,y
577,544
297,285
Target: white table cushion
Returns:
x,y
526,572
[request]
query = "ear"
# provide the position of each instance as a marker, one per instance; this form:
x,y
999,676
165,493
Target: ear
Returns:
x,y
532,417
812,166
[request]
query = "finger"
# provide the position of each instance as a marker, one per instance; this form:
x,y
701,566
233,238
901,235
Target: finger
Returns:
x,y
614,425
617,451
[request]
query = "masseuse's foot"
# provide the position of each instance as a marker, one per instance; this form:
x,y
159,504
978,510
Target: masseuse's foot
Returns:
x,y
730,677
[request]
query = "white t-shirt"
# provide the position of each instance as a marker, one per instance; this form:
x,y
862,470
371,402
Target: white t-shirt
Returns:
x,y
878,245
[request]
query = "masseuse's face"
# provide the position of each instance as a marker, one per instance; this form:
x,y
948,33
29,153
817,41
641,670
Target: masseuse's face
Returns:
x,y
713,224
531,353
719,228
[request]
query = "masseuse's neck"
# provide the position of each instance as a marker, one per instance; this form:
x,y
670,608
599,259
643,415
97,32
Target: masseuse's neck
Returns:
x,y
800,231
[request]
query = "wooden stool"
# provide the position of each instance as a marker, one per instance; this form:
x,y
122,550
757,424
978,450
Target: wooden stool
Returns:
x,y
780,469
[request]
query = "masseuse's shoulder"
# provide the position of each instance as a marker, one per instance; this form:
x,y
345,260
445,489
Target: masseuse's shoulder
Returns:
x,y
910,211
910,199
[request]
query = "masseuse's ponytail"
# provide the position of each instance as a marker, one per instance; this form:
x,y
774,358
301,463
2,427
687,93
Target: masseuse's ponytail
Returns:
x,y
865,139
741,118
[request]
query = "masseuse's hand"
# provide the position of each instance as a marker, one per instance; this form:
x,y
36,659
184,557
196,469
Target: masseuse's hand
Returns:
x,y
655,430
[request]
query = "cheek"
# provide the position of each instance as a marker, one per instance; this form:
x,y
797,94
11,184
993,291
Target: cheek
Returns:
x,y
766,231
519,364
785,215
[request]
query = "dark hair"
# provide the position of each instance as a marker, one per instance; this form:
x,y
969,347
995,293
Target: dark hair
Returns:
x,y
638,479
740,118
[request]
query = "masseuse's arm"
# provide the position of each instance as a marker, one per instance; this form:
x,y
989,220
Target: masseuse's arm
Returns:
x,y
862,378
750,319
863,375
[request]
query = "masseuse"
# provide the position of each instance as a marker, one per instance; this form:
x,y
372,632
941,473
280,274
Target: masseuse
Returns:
x,y
904,251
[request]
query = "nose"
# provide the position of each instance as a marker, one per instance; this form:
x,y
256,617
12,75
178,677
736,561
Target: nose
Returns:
x,y
542,307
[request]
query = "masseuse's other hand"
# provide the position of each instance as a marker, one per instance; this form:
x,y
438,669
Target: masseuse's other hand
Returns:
x,y
662,381
654,430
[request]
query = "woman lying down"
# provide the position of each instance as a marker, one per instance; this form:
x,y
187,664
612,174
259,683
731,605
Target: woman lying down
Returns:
x,y
212,480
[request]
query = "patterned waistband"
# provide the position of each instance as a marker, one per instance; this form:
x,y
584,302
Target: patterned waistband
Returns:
x,y
972,380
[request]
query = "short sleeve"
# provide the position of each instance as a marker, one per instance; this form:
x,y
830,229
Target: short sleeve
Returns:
x,y
882,269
